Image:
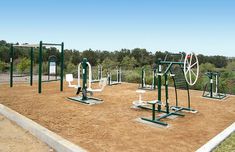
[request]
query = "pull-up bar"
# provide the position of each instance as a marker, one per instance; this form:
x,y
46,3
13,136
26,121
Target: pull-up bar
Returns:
x,y
51,44
41,44
12,59
26,45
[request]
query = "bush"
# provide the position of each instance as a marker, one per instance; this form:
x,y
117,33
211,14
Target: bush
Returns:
x,y
71,68
3,66
23,65
207,66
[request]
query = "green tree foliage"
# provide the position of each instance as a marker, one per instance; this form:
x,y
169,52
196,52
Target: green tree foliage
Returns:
x,y
207,67
231,66
3,66
109,64
23,65
91,56
128,62
131,62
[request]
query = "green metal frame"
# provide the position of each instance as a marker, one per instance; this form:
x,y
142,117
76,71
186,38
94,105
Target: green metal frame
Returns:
x,y
84,98
12,65
52,59
169,110
142,86
99,74
41,44
110,83
210,94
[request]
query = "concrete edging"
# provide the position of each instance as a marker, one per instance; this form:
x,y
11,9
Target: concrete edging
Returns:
x,y
214,142
53,140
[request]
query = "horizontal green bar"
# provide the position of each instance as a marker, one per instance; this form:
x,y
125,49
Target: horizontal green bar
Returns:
x,y
50,80
155,121
168,62
51,44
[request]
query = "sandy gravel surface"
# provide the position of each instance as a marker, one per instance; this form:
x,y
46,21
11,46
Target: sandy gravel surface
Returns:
x,y
111,126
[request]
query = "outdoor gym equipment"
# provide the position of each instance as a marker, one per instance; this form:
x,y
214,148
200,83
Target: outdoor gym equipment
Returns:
x,y
12,60
86,88
69,79
99,74
52,68
119,77
186,69
144,86
212,90
40,46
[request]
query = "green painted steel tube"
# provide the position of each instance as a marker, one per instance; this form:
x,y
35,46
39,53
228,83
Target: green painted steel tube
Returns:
x,y
176,93
62,67
40,68
84,79
166,90
51,44
142,76
169,62
159,84
211,84
11,66
154,79
153,112
31,65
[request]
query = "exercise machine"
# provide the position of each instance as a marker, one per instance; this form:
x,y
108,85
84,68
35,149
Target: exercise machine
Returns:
x,y
99,74
86,85
40,46
145,86
189,71
211,89
52,68
118,75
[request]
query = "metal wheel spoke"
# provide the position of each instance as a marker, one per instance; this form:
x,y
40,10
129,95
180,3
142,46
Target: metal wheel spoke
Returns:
x,y
194,73
193,64
190,77
191,57
187,70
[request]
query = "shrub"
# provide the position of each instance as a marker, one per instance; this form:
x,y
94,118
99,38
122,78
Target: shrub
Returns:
x,y
23,65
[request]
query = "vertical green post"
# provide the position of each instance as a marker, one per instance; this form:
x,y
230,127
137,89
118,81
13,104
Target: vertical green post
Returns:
x,y
40,68
31,65
48,73
154,79
11,65
62,67
153,112
166,90
142,76
84,79
211,85
159,84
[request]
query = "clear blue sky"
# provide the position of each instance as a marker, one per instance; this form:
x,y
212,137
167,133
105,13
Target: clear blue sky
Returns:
x,y
203,26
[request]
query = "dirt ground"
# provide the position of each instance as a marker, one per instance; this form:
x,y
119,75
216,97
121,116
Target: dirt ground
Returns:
x,y
112,126
13,138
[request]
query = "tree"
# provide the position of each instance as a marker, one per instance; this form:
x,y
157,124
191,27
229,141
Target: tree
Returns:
x,y
91,56
23,65
128,63
108,63
2,66
207,67
231,66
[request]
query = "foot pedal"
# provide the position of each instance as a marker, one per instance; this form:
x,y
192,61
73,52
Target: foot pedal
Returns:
x,y
78,90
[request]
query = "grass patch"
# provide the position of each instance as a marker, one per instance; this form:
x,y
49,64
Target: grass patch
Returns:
x,y
228,145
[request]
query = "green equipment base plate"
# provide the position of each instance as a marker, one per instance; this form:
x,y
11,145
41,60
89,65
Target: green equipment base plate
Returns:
x,y
215,95
89,101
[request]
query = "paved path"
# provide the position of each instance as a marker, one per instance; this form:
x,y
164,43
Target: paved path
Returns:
x,y
15,139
